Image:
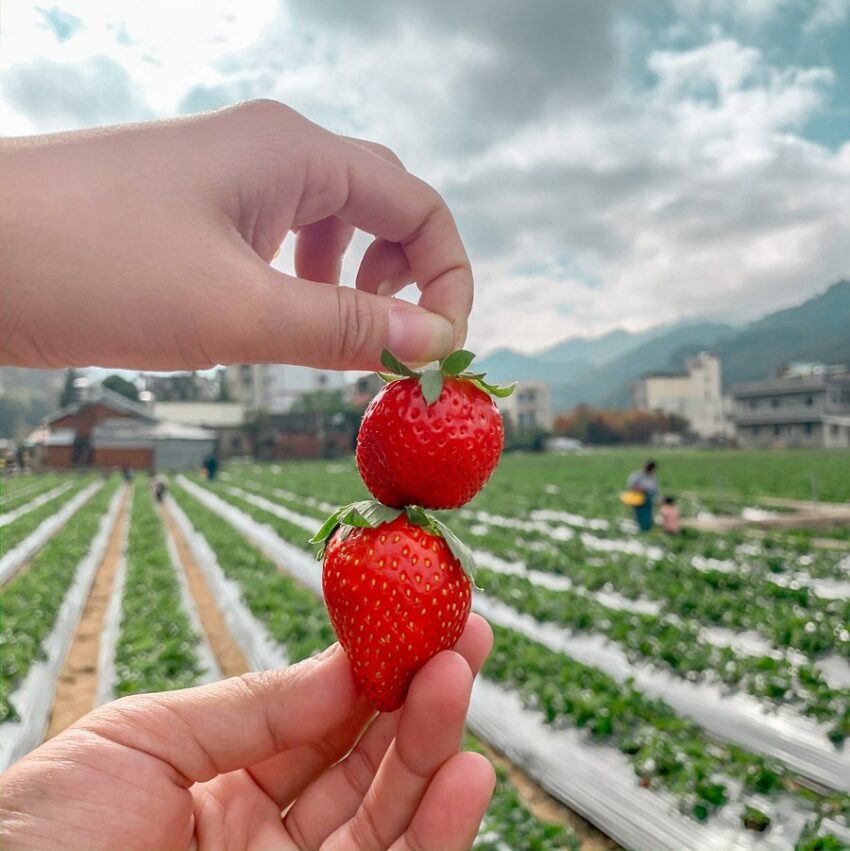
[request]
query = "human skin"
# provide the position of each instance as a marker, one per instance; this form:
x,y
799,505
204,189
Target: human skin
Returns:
x,y
148,246
213,767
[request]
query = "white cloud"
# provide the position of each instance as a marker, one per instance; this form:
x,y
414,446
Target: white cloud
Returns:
x,y
600,177
827,14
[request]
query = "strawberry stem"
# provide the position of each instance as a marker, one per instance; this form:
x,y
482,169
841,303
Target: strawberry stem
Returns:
x,y
455,365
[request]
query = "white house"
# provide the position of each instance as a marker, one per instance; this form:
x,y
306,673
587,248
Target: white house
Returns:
x,y
695,394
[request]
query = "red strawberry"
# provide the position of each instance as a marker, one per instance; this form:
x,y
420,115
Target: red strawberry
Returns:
x,y
431,439
396,596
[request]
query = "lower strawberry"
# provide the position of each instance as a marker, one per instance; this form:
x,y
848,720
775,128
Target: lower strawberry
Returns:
x,y
396,594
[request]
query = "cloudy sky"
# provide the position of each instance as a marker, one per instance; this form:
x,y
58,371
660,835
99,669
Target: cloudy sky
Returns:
x,y
610,164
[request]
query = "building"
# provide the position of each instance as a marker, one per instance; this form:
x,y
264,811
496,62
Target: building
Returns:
x,y
360,392
293,435
274,387
106,430
226,419
802,407
529,407
695,394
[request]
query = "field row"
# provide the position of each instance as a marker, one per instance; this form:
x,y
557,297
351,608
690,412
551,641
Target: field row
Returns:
x,y
704,773
672,636
153,638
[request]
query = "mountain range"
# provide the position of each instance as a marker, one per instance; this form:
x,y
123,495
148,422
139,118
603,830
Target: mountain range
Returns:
x,y
600,370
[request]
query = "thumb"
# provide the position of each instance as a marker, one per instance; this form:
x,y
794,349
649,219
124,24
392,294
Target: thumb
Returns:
x,y
209,730
304,322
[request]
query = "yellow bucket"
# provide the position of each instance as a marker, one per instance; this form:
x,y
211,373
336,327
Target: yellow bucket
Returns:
x,y
634,499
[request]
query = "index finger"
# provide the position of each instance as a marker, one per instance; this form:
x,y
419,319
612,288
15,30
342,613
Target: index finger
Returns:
x,y
389,202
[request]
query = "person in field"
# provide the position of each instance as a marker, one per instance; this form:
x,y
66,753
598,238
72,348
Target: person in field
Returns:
x,y
149,247
643,481
669,512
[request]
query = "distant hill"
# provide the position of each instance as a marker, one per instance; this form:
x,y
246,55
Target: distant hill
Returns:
x,y
600,370
610,385
578,355
816,330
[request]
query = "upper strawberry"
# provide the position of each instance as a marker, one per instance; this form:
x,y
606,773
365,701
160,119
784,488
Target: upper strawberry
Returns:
x,y
430,438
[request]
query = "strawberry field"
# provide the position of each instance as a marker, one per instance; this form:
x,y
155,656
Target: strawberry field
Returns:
x,y
674,692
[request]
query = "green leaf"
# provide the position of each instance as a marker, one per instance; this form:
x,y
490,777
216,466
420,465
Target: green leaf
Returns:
x,y
456,362
387,377
418,517
459,550
431,382
364,514
371,513
495,389
327,527
395,366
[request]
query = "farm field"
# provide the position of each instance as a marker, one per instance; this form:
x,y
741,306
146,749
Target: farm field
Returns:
x,y
688,692
156,632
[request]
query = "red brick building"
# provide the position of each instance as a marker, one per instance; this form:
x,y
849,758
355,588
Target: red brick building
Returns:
x,y
108,430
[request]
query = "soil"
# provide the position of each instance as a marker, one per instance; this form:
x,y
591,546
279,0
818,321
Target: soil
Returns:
x,y
230,658
77,685
547,808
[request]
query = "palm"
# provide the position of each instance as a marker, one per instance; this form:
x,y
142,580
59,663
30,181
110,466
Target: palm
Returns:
x,y
215,767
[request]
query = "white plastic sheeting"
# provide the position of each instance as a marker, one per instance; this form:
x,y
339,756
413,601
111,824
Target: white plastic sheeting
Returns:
x,y
599,783
33,699
799,742
298,563
782,733
260,649
112,621
210,671
13,560
41,499
596,781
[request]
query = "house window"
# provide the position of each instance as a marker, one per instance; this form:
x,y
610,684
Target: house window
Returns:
x,y
776,430
774,403
809,401
807,428
833,430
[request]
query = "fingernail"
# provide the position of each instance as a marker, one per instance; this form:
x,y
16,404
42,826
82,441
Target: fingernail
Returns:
x,y
417,336
386,287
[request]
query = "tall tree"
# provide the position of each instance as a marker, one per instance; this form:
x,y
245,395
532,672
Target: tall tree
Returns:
x,y
68,394
126,388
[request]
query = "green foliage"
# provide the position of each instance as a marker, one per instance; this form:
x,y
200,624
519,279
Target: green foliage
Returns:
x,y
122,386
30,602
508,823
156,648
15,532
34,486
297,619
666,751
68,394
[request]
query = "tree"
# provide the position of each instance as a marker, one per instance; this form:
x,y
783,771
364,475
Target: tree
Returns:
x,y
322,402
68,394
120,385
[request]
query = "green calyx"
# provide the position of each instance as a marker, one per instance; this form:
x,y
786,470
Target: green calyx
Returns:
x,y
455,365
370,514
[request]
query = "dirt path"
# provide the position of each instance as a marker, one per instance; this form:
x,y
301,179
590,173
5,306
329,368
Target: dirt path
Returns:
x,y
77,683
230,658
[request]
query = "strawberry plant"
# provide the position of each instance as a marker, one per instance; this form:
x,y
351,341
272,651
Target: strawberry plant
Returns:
x,y
12,534
41,589
156,648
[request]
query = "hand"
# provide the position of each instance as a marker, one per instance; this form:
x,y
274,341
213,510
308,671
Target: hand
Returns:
x,y
148,246
214,766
